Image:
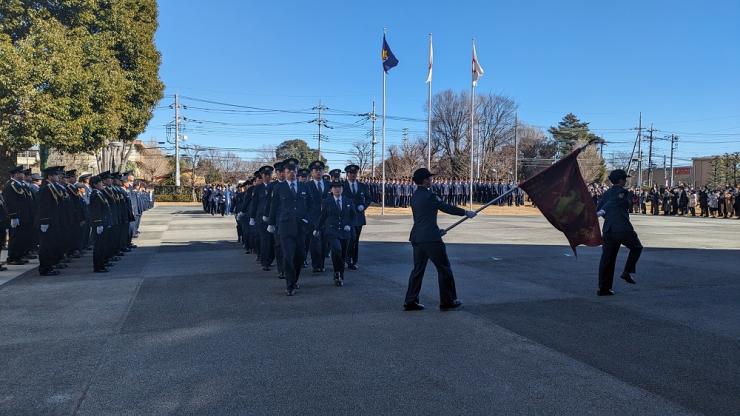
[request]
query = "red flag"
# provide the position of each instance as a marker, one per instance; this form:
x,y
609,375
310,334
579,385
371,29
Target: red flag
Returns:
x,y
561,194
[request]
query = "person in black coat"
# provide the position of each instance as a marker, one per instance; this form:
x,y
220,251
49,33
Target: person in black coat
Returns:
x,y
289,218
426,240
260,198
20,214
50,221
100,221
320,190
335,223
617,231
359,194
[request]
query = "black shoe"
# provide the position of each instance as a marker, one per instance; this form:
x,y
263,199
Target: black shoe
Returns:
x,y
627,278
281,276
265,269
60,266
101,270
352,267
31,256
132,246
126,250
49,272
416,306
290,292
449,306
297,286
605,292
3,268
316,270
16,262
115,258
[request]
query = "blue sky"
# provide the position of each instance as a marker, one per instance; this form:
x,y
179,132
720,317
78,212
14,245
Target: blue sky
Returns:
x,y
677,62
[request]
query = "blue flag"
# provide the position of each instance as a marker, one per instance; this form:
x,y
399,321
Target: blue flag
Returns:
x,y
389,60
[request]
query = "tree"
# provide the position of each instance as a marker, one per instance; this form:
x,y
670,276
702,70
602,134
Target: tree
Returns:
x,y
361,153
571,133
76,75
298,149
152,164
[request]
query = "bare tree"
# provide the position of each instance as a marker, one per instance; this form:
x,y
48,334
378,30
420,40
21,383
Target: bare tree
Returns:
x,y
361,153
152,163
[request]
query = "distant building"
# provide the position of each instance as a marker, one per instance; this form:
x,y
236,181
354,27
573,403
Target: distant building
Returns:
x,y
661,177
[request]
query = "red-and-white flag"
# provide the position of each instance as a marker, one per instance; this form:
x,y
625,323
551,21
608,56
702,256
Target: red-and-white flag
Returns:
x,y
477,69
431,60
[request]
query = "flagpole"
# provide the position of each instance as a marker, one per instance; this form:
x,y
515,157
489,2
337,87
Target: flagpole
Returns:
x,y
382,144
472,139
429,116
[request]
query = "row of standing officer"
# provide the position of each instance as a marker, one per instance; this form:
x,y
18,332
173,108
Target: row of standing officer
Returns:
x,y
286,219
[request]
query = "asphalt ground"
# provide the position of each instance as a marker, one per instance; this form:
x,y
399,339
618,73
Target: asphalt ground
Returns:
x,y
188,324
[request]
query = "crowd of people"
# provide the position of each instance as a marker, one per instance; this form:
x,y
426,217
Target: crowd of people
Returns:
x,y
58,215
398,192
286,215
681,200
218,199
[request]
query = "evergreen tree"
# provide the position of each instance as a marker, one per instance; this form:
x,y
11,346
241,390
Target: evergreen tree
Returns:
x,y
571,133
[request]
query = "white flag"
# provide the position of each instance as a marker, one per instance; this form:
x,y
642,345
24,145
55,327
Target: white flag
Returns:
x,y
431,60
477,69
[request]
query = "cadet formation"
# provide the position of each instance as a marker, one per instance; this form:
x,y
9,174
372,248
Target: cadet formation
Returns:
x,y
58,215
287,215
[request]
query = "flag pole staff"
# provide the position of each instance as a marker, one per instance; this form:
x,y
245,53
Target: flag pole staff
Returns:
x,y
382,140
488,204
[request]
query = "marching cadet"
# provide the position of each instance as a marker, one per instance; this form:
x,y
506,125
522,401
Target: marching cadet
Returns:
x,y
279,178
358,193
83,185
289,212
254,239
426,240
115,217
18,201
100,220
335,175
335,222
256,217
50,221
320,189
617,231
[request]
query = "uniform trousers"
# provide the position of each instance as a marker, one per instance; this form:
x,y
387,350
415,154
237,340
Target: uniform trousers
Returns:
x,y
610,248
293,249
338,247
100,250
317,247
353,250
436,251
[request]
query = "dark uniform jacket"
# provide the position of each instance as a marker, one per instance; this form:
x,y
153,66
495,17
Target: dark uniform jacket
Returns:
x,y
360,198
424,206
289,211
259,202
50,203
333,220
18,201
100,210
615,204
317,196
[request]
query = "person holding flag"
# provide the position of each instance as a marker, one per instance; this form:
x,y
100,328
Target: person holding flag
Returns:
x,y
426,240
617,231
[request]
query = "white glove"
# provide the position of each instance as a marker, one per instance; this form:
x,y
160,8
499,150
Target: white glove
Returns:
x,y
470,214
251,221
360,208
601,213
304,220
44,227
239,216
99,229
15,222
316,233
347,228
265,219
271,229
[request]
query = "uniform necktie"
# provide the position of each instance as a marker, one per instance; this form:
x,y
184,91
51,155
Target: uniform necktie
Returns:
x,y
321,186
292,187
339,204
354,187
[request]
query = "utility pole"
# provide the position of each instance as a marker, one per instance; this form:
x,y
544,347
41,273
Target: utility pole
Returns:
x,y
674,139
177,140
665,173
650,156
321,122
516,148
405,133
373,116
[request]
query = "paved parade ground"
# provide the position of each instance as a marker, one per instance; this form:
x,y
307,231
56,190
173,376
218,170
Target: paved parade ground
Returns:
x,y
189,325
